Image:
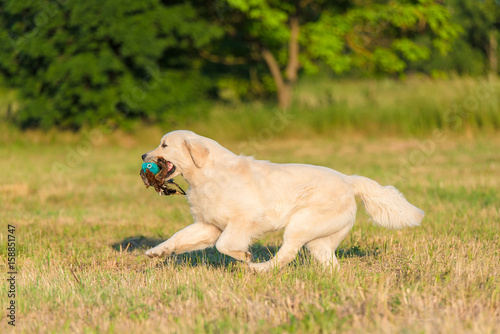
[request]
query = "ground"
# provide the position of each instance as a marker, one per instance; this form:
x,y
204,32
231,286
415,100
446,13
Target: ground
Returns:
x,y
83,219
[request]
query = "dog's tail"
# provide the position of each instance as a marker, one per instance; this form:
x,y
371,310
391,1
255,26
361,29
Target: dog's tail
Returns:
x,y
386,205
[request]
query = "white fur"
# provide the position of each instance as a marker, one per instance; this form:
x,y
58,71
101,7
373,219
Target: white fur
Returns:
x,y
236,199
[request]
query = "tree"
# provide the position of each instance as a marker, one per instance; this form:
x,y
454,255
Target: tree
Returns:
x,y
80,62
481,23
369,34
76,63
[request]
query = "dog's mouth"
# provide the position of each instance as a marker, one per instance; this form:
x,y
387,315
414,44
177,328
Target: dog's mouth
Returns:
x,y
159,179
170,168
166,167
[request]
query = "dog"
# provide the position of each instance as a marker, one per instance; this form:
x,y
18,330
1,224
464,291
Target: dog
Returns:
x,y
237,199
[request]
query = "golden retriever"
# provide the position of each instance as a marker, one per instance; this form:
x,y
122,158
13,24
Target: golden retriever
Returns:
x,y
236,199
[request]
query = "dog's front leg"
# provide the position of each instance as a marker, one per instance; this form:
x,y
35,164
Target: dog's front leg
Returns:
x,y
193,237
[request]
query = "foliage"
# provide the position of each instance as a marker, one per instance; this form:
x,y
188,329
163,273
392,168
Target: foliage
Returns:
x,y
78,63
350,35
372,35
375,36
475,51
466,60
477,18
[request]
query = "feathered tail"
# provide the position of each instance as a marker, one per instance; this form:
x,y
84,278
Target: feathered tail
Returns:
x,y
386,205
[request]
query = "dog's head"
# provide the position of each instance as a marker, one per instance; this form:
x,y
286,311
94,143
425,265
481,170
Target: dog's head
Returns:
x,y
183,150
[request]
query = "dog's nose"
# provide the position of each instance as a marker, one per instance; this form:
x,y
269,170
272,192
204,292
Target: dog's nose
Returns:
x,y
144,156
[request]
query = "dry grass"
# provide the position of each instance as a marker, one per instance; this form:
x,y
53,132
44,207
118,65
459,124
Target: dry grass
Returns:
x,y
81,240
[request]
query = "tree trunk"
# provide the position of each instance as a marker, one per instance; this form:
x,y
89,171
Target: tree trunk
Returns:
x,y
493,53
284,97
293,51
285,85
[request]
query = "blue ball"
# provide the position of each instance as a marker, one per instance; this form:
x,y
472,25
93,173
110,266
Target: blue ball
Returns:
x,y
151,166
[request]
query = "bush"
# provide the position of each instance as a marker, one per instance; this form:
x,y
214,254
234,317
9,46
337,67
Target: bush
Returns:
x,y
78,63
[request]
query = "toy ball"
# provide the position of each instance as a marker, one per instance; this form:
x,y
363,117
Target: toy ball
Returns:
x,y
153,168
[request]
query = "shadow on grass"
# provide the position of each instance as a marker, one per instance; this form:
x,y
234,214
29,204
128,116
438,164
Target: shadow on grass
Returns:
x,y
211,257
356,251
137,242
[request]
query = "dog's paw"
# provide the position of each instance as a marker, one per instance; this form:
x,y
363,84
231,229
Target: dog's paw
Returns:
x,y
154,252
259,267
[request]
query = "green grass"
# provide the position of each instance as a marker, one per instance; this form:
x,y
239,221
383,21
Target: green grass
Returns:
x,y
81,238
414,106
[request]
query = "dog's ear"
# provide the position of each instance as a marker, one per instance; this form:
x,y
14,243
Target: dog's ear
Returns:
x,y
197,150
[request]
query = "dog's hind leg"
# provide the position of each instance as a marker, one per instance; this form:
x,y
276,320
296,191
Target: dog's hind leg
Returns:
x,y
291,245
234,243
297,233
193,237
321,231
323,249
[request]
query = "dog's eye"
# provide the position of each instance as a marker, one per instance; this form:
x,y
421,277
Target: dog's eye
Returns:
x,y
164,145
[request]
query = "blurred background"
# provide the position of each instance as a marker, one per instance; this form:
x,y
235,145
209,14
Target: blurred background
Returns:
x,y
227,67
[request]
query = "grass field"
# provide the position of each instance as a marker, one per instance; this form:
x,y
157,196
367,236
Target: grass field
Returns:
x,y
81,236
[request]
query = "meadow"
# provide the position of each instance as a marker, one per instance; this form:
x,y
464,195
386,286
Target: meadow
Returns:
x,y
83,220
